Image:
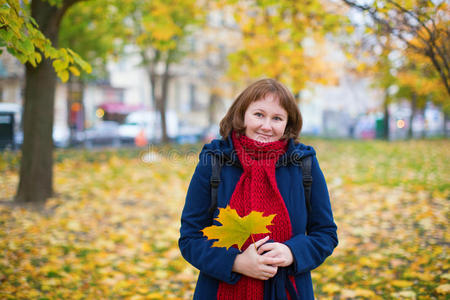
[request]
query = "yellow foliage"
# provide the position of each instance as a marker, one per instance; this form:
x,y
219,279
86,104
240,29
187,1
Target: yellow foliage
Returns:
x,y
74,71
331,288
443,289
401,283
404,295
365,293
111,231
273,43
23,39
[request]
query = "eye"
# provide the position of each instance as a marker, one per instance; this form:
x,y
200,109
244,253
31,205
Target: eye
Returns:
x,y
258,114
278,118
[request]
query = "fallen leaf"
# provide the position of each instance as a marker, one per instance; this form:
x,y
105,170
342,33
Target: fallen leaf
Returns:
x,y
443,289
401,283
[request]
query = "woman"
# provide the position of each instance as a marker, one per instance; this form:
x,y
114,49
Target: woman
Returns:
x,y
260,172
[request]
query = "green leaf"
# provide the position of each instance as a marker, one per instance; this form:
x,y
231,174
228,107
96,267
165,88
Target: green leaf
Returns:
x,y
6,35
28,46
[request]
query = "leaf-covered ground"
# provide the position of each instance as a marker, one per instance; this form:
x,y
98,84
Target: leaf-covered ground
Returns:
x,y
111,231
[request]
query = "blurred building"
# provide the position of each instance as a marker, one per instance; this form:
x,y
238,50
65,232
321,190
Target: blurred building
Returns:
x,y
341,111
11,78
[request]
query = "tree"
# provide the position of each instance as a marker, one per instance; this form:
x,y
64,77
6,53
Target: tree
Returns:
x,y
36,169
96,31
220,37
419,82
160,35
274,34
397,60
401,75
420,25
382,71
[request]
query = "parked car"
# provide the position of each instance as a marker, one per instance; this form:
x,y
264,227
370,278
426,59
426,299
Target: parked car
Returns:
x,y
61,136
189,134
102,133
130,130
149,123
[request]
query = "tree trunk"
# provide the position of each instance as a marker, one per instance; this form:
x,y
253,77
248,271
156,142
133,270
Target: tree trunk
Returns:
x,y
151,64
444,127
386,132
411,117
36,168
423,134
36,171
213,102
152,76
163,99
298,97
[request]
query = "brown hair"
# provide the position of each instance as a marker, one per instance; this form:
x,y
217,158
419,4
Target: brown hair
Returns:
x,y
234,118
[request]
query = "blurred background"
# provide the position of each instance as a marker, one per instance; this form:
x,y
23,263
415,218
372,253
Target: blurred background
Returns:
x,y
355,73
105,105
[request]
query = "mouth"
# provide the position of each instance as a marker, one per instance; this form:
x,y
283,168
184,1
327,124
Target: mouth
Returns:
x,y
264,137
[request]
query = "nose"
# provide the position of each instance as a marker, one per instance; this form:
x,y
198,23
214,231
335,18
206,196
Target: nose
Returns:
x,y
266,124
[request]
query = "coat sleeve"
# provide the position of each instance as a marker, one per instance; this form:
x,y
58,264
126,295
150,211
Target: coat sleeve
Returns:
x,y
195,248
311,250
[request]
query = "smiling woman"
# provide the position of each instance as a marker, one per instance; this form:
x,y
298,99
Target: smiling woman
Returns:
x,y
260,172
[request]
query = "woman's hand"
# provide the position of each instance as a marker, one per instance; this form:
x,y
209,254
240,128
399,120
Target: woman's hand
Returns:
x,y
277,250
252,264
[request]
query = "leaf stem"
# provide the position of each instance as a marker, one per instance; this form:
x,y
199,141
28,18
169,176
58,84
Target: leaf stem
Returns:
x,y
253,240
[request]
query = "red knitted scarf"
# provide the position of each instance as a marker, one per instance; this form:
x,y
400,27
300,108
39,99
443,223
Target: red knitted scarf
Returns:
x,y
257,191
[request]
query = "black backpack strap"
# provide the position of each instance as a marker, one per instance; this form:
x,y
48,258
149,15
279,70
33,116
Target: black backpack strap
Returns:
x,y
307,182
214,181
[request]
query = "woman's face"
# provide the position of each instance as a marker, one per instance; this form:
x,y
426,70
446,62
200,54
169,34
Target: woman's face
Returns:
x,y
265,120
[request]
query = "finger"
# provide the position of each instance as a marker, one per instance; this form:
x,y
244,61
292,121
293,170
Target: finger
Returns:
x,y
269,271
271,260
272,253
261,241
266,247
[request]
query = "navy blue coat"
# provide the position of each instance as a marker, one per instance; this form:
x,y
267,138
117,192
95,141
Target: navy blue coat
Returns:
x,y
309,249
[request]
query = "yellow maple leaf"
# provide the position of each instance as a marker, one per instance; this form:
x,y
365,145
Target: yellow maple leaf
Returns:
x,y
236,229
